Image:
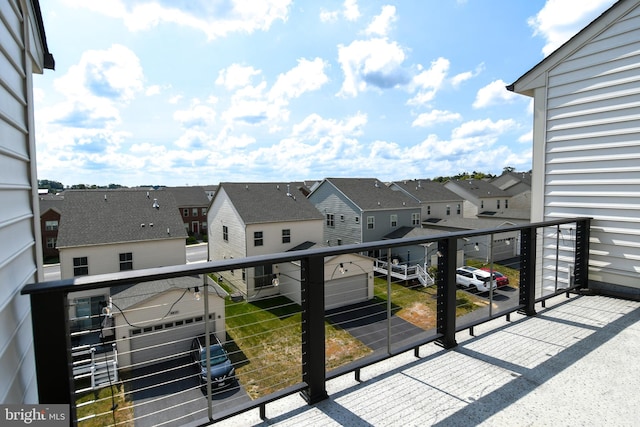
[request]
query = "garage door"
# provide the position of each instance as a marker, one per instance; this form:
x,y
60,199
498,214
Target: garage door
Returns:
x,y
345,290
157,343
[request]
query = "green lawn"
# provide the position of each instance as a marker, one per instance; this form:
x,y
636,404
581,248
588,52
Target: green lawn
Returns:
x,y
417,304
267,347
100,403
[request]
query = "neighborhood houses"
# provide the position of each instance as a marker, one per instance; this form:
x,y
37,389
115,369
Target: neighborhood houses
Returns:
x,y
101,231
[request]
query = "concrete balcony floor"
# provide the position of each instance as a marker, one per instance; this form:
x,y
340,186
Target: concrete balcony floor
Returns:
x,y
576,363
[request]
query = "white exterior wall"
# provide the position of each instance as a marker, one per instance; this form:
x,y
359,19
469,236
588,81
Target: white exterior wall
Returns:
x,y
587,148
222,213
21,54
106,258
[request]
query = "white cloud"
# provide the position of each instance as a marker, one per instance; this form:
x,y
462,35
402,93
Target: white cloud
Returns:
x,y
236,75
381,24
494,93
435,116
96,88
526,138
329,16
486,128
428,82
305,77
114,73
458,79
559,20
376,62
198,115
351,11
152,90
215,19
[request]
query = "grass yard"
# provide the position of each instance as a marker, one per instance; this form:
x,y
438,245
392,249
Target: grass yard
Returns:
x,y
266,347
99,402
417,304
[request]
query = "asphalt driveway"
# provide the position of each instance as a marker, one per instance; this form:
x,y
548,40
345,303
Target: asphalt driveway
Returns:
x,y
169,393
367,321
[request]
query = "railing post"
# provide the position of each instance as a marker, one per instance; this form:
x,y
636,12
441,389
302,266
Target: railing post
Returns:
x,y
52,348
446,306
313,335
528,271
581,270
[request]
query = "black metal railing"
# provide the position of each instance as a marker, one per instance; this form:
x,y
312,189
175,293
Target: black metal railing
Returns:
x,y
325,313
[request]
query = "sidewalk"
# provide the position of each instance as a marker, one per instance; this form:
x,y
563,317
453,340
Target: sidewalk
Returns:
x,y
576,363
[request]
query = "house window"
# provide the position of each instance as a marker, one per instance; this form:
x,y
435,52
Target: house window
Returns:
x,y
357,220
88,312
371,222
80,266
394,220
185,212
448,210
481,204
51,242
257,238
498,204
204,211
341,218
263,276
286,236
330,220
51,225
506,203
225,233
126,261
415,219
458,209
203,225
194,212
339,242
428,209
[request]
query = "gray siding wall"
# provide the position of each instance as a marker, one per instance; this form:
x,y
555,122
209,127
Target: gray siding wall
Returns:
x,y
382,225
20,252
327,200
592,149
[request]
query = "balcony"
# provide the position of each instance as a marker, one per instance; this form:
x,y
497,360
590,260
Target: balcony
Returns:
x,y
320,317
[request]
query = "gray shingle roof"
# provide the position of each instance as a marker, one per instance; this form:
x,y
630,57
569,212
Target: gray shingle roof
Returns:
x,y
426,190
371,194
480,188
95,217
51,201
187,197
259,202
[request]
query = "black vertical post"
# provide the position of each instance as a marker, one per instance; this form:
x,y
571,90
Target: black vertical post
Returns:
x,y
313,336
581,270
528,271
446,306
52,348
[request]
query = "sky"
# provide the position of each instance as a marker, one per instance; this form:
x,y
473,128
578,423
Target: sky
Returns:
x,y
198,92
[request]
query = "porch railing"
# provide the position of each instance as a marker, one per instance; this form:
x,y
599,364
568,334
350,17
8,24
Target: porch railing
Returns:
x,y
324,315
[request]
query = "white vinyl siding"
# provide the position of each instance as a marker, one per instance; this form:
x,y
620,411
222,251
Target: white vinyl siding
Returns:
x,y
19,216
592,148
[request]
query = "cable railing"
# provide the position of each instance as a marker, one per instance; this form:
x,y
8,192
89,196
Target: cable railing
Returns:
x,y
198,343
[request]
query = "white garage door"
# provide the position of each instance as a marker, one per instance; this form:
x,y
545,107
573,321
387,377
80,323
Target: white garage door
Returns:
x,y
157,343
345,290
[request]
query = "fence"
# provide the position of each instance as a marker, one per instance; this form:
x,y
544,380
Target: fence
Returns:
x,y
202,342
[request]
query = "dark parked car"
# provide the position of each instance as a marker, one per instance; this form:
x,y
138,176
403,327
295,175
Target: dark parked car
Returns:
x,y
501,279
222,372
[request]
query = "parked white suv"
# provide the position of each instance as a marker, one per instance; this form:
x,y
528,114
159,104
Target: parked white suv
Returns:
x,y
471,276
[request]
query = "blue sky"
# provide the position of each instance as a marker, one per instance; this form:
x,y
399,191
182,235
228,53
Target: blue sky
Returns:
x,y
197,92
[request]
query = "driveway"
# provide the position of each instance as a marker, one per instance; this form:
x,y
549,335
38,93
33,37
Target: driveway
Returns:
x,y
367,321
169,393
